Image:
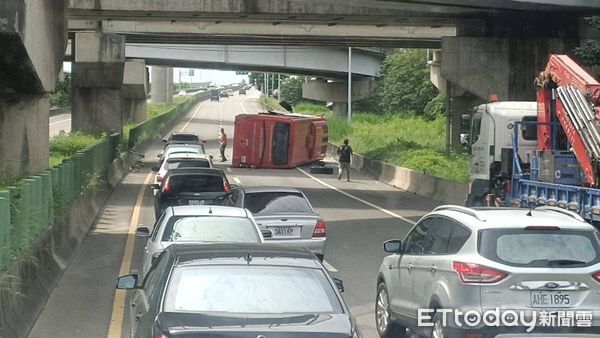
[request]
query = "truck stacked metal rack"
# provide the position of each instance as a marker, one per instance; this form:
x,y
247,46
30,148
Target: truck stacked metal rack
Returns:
x,y
555,151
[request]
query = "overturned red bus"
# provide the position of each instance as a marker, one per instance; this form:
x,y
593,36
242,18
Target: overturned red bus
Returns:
x,y
277,140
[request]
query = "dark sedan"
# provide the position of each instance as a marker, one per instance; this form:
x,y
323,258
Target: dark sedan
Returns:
x,y
237,290
190,186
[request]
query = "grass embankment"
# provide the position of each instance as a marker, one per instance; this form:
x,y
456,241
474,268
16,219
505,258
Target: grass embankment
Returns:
x,y
409,142
271,104
154,109
66,145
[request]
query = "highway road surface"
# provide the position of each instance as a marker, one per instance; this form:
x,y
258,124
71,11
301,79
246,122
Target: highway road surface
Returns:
x,y
360,215
58,123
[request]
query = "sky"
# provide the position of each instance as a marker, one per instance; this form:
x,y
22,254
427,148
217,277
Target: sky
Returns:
x,y
219,77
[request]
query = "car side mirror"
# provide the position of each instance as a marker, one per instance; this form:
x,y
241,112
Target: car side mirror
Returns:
x,y
155,186
159,155
164,141
267,233
155,168
203,141
339,284
393,246
211,157
128,282
142,231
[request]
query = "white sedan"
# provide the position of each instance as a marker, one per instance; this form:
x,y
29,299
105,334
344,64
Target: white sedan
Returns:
x,y
197,225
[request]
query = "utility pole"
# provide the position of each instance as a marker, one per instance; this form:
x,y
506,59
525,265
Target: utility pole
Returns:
x,y
278,87
349,84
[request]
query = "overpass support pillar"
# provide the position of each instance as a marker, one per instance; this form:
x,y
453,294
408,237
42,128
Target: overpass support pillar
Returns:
x,y
337,92
473,68
134,91
162,84
97,96
33,37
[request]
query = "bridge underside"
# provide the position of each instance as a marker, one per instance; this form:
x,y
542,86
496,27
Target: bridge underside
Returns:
x,y
315,61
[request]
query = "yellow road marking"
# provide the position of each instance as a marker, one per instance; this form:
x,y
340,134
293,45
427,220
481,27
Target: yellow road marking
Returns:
x,y
116,319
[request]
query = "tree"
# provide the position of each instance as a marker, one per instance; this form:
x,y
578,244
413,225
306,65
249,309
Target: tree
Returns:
x,y
589,51
291,89
62,94
405,86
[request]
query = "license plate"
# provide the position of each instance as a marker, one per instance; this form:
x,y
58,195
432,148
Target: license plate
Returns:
x,y
550,299
285,231
196,202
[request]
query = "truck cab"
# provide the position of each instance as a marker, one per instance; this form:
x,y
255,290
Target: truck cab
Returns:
x,y
491,146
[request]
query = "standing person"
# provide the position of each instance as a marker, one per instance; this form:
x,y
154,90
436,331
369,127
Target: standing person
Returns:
x,y
345,154
223,143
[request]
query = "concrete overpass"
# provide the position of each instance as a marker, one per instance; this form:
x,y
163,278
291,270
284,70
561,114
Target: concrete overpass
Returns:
x,y
514,36
315,61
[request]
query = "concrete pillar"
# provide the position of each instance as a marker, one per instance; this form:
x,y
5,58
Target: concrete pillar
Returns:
x,y
134,91
340,109
162,84
337,92
97,97
33,39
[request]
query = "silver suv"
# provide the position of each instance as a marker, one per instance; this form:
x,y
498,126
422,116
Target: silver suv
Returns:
x,y
531,272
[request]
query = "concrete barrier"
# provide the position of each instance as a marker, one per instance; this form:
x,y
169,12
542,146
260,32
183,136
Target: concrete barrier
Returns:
x,y
437,189
25,288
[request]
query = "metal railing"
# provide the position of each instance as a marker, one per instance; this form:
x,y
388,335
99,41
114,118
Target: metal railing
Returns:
x,y
32,204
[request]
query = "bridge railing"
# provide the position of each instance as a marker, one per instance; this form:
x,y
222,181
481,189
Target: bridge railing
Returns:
x,y
31,205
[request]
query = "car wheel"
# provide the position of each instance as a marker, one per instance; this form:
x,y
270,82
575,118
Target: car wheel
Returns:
x,y
438,330
385,327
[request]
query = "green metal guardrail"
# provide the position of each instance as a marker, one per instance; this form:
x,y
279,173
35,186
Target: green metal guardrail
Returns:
x,y
32,204
147,129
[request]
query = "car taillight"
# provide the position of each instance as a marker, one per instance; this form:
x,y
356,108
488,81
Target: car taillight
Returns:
x,y
166,188
157,332
159,178
596,276
320,229
475,273
226,186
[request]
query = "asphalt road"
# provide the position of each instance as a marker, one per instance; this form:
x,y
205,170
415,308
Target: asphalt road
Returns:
x,y
360,215
58,123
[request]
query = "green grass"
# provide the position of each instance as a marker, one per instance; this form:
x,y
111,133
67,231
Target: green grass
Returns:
x,y
66,145
271,103
410,142
310,108
155,109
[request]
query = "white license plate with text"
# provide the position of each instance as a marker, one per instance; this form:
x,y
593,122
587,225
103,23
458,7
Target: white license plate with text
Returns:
x,y
286,231
551,299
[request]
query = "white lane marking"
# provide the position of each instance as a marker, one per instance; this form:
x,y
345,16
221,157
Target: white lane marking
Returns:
x,y
356,198
193,116
220,116
242,104
329,267
228,169
63,121
237,180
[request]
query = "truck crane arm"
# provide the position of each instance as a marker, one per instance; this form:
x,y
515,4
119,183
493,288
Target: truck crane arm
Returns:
x,y
568,91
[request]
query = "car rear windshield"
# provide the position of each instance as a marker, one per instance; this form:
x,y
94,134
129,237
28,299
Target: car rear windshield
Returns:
x,y
185,138
276,203
196,183
250,289
210,229
540,248
174,164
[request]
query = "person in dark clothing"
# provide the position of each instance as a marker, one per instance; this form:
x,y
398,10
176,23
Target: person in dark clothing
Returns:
x,y
345,156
